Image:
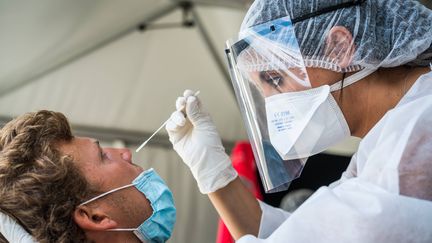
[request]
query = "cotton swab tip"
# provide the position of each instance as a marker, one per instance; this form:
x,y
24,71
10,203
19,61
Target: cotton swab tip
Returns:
x,y
146,141
141,146
163,125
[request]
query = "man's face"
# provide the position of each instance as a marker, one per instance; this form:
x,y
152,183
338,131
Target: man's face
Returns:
x,y
107,169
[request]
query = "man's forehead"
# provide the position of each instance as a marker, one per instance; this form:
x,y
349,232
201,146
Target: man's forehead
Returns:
x,y
79,147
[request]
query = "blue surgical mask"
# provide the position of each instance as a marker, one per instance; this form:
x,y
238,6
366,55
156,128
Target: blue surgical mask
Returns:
x,y
159,226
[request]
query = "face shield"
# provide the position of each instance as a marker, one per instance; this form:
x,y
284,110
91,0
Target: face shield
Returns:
x,y
287,119
264,63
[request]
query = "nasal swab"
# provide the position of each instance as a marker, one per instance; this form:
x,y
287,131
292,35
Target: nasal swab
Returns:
x,y
163,125
146,141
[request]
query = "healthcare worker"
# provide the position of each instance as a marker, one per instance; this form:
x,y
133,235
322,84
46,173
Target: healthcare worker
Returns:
x,y
308,74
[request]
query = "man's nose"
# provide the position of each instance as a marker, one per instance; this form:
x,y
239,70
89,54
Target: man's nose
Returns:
x,y
126,155
119,153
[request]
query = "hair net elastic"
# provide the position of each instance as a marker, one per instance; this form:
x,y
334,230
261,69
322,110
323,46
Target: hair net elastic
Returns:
x,y
386,33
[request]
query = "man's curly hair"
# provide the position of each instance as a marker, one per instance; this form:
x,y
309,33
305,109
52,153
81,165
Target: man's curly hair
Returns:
x,y
40,187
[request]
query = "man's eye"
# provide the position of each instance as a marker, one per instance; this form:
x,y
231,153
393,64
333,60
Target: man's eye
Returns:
x,y
102,155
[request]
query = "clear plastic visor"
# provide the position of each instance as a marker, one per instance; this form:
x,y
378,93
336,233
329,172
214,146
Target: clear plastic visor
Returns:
x,y
266,61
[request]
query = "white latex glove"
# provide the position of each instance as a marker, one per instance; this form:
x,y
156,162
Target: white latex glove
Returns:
x,y
196,140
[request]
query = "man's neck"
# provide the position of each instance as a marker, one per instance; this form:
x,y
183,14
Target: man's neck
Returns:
x,y
111,236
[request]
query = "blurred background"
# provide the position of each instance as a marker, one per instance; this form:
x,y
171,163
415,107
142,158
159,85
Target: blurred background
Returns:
x,y
115,69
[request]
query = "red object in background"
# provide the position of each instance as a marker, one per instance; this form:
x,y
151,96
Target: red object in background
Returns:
x,y
244,163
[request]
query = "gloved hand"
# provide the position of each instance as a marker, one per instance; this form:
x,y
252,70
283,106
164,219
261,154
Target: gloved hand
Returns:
x,y
196,140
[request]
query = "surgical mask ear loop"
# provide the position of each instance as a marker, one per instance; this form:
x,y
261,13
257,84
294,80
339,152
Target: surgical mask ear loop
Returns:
x,y
342,85
105,194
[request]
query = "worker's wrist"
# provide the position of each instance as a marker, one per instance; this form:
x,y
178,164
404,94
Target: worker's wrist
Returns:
x,y
216,178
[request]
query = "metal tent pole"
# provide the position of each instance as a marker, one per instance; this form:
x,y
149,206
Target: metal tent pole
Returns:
x,y
213,50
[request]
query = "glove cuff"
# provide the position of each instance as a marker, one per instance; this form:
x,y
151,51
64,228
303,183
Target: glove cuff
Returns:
x,y
217,179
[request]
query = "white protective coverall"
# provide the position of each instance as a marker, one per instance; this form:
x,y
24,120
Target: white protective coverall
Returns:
x,y
384,196
386,193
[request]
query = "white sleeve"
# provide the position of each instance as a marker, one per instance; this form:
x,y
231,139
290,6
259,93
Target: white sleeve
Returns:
x,y
355,212
271,219
12,231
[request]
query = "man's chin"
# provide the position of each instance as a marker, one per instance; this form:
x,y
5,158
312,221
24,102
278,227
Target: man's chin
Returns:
x,y
139,168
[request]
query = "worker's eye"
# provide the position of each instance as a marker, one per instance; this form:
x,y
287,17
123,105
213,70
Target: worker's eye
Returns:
x,y
274,78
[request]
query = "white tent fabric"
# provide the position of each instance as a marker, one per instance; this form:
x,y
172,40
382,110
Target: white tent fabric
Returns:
x,y
86,59
130,83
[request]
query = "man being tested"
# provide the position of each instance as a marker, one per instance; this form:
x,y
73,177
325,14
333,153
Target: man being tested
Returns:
x,y
62,188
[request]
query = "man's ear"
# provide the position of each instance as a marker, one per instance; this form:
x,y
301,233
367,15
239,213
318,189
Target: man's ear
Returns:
x,y
340,46
93,219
